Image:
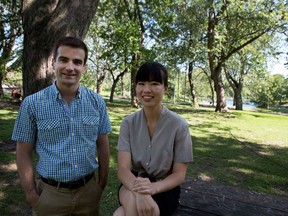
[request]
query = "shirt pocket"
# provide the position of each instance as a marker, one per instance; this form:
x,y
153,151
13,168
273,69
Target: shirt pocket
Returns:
x,y
90,125
49,124
49,130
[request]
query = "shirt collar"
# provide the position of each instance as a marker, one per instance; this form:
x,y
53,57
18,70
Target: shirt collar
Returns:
x,y
163,112
57,94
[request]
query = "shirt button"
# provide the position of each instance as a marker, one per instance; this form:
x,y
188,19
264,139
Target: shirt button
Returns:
x,y
149,146
72,134
147,163
76,166
74,150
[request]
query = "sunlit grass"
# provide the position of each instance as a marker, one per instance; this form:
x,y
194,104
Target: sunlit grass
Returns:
x,y
240,148
7,118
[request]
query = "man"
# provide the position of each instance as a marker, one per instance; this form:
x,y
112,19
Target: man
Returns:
x,y
67,124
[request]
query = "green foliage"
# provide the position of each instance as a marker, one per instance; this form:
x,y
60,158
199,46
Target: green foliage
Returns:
x,y
270,90
15,79
175,34
10,36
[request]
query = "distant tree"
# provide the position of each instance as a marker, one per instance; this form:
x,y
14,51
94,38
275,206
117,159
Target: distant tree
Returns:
x,y
246,61
185,31
232,25
269,90
43,23
120,27
10,31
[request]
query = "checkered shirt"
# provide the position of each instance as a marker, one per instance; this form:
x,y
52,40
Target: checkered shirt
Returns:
x,y
65,137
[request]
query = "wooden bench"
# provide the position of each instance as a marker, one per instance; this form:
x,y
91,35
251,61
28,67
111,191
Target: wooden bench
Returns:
x,y
199,198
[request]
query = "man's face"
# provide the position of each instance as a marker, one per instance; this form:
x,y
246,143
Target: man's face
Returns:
x,y
69,66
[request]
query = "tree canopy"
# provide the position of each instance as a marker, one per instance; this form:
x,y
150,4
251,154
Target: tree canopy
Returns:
x,y
219,46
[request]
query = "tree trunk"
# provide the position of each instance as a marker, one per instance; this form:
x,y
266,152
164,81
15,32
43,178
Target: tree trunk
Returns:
x,y
134,102
115,83
44,22
1,87
238,98
237,90
191,84
219,89
100,80
237,87
123,92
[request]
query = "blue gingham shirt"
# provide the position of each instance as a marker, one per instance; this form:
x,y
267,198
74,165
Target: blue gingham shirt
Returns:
x,y
65,137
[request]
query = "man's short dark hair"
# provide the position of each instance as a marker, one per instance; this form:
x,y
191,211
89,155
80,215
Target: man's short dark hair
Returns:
x,y
71,42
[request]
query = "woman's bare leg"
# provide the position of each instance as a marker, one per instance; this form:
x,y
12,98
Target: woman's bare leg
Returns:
x,y
119,211
128,201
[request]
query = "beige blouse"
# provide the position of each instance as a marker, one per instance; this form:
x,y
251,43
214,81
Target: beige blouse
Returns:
x,y
171,142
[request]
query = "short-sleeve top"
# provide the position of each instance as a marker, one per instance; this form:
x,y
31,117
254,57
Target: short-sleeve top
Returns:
x,y
65,137
171,142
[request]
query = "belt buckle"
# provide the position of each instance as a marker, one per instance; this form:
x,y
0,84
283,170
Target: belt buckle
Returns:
x,y
77,184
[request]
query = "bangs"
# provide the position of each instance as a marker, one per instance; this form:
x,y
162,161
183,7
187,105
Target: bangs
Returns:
x,y
151,71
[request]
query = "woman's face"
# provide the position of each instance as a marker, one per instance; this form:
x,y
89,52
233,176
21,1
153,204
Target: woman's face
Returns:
x,y
150,93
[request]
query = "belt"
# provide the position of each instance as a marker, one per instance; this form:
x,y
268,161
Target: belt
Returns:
x,y
72,184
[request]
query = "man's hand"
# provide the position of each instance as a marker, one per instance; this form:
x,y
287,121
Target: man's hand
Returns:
x,y
32,198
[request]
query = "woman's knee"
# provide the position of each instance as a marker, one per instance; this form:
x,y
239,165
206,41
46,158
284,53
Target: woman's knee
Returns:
x,y
128,202
119,212
126,196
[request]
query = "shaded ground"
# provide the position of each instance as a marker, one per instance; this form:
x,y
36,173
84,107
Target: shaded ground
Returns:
x,y
198,198
9,146
13,178
11,168
9,104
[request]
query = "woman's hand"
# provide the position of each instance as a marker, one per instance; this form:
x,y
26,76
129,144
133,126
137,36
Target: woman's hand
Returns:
x,y
146,206
143,186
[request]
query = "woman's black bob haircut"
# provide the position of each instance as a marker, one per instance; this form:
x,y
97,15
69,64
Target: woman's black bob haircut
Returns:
x,y
152,71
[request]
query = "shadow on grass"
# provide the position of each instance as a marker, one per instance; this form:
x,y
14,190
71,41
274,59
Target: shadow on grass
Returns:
x,y
12,199
246,165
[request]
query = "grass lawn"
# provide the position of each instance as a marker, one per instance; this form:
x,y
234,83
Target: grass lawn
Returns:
x,y
247,149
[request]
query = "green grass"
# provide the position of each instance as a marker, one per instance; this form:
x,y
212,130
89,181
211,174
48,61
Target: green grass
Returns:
x,y
239,148
7,118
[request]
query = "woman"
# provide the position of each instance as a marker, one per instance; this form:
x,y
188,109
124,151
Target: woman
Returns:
x,y
154,149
